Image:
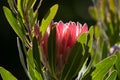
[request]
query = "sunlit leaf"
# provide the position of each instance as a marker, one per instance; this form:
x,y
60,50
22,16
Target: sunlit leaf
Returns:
x,y
117,64
20,6
90,38
112,76
83,38
12,5
6,75
30,64
30,3
48,18
103,67
13,22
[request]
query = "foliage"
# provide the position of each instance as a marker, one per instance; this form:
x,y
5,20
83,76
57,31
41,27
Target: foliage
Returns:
x,y
94,56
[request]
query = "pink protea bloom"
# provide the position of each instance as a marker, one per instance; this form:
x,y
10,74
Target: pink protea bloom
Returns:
x,y
66,36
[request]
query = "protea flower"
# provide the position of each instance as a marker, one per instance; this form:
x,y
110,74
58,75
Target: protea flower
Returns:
x,y
66,36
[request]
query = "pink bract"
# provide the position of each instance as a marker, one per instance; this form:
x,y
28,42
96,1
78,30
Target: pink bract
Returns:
x,y
66,36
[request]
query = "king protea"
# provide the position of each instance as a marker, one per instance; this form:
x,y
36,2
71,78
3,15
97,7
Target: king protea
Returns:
x,y
66,36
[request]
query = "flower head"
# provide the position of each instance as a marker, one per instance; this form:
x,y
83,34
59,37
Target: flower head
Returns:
x,y
66,36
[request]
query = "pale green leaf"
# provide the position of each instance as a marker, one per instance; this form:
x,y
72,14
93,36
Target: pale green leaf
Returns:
x,y
103,67
112,76
12,5
90,39
30,64
6,75
117,64
20,6
83,38
48,18
13,22
30,3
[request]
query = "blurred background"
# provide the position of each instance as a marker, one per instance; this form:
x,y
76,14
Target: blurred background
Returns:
x,y
69,10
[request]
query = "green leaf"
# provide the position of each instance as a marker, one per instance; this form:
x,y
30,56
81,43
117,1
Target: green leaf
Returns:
x,y
30,3
90,38
30,64
36,57
112,76
103,67
97,32
33,67
93,13
6,75
20,6
52,50
13,22
117,64
72,62
32,17
83,38
48,18
12,5
22,57
102,9
75,61
112,6
38,75
104,50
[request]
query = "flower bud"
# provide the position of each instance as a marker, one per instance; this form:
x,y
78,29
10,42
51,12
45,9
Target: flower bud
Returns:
x,y
66,36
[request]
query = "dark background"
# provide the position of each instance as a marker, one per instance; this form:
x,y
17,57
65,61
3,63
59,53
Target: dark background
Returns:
x,y
69,10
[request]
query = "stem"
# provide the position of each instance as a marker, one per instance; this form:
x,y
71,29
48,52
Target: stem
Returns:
x,y
40,2
28,24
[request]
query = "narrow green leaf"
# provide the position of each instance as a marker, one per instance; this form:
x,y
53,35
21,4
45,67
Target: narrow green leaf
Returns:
x,y
74,57
90,64
90,38
104,50
13,22
117,64
93,13
20,6
103,67
22,58
112,6
83,38
36,57
32,17
112,76
52,49
97,32
33,62
6,75
12,5
30,64
48,18
102,8
30,3
38,75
